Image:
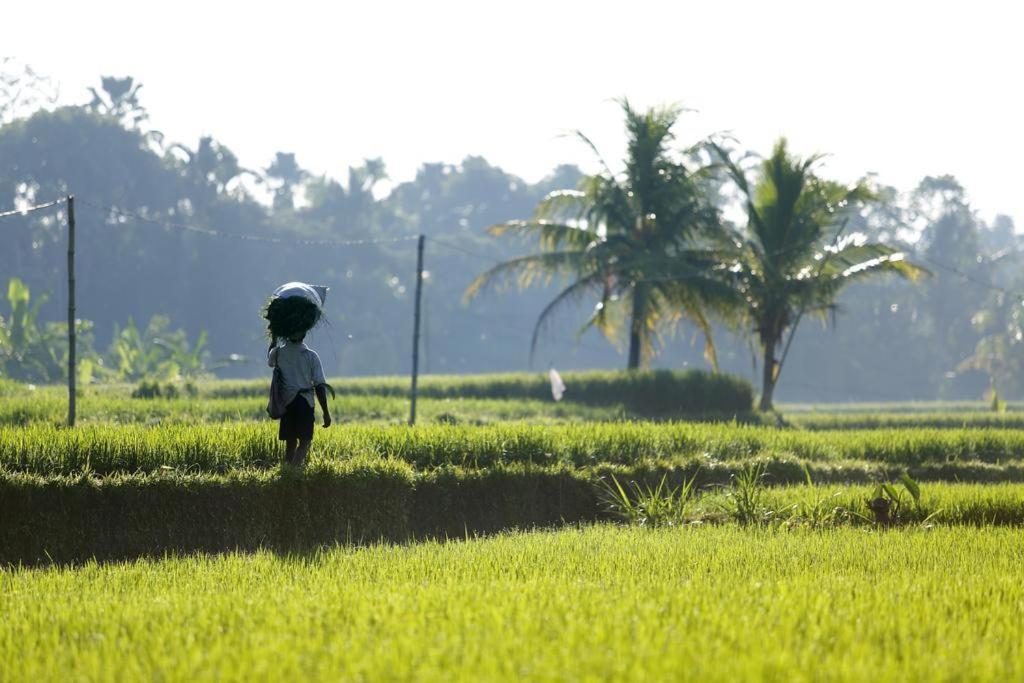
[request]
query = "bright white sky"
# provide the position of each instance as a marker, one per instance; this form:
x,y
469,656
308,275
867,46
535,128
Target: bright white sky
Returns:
x,y
898,87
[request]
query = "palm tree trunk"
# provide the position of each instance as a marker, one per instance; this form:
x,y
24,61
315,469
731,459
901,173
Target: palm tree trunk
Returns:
x,y
637,328
768,376
634,351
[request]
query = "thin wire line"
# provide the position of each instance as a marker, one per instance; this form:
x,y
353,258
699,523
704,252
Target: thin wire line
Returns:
x,y
28,210
967,277
440,241
246,237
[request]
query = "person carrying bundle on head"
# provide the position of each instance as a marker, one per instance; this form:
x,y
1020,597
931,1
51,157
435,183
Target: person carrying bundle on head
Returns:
x,y
295,309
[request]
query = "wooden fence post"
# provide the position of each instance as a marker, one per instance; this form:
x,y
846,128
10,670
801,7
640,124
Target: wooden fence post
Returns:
x,y
72,365
416,329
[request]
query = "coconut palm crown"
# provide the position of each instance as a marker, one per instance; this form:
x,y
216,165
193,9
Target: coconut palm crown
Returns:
x,y
793,258
632,242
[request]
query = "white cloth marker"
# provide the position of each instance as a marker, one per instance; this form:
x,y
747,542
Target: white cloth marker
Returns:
x,y
557,385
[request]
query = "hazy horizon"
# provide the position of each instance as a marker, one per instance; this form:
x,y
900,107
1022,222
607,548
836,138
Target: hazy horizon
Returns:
x,y
899,90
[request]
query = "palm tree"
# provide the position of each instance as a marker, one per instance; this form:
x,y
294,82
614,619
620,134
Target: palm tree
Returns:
x,y
998,353
794,258
211,170
630,240
119,98
285,170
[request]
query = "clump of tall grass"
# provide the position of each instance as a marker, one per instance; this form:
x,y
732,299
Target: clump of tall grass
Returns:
x,y
644,505
744,496
816,508
747,500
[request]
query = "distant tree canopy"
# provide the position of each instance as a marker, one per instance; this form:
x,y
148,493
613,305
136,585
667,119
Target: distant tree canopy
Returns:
x,y
954,335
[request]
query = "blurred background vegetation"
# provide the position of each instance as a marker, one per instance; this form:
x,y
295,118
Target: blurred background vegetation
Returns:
x,y
163,303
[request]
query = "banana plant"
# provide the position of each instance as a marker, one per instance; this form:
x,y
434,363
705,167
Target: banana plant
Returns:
x,y
30,351
157,353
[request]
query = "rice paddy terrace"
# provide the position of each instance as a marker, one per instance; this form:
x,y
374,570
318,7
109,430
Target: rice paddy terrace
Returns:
x,y
509,537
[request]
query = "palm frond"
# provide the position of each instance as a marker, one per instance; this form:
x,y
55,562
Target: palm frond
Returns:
x,y
551,234
525,270
710,352
607,318
853,260
562,206
609,205
693,306
568,296
593,148
739,177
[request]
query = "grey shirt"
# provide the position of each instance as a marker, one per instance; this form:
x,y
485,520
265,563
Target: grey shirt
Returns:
x,y
300,369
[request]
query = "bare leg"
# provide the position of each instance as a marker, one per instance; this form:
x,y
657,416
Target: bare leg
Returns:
x,y
289,450
301,452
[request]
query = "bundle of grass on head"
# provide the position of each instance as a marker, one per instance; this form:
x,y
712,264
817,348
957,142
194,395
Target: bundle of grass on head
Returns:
x,y
293,310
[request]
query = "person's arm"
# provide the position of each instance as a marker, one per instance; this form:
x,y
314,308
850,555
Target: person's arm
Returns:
x,y
320,385
321,396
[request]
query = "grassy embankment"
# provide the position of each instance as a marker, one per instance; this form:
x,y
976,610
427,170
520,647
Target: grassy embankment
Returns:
x,y
142,476
122,491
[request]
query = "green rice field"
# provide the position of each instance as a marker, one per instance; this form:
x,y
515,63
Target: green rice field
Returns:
x,y
163,539
490,399
110,448
601,603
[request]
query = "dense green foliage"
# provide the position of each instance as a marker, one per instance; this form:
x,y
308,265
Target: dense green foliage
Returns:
x,y
707,604
65,519
50,406
949,337
31,351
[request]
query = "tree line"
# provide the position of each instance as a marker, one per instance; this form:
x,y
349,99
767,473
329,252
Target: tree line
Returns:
x,y
651,245
952,334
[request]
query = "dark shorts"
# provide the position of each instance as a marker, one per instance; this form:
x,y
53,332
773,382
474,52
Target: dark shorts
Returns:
x,y
297,422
